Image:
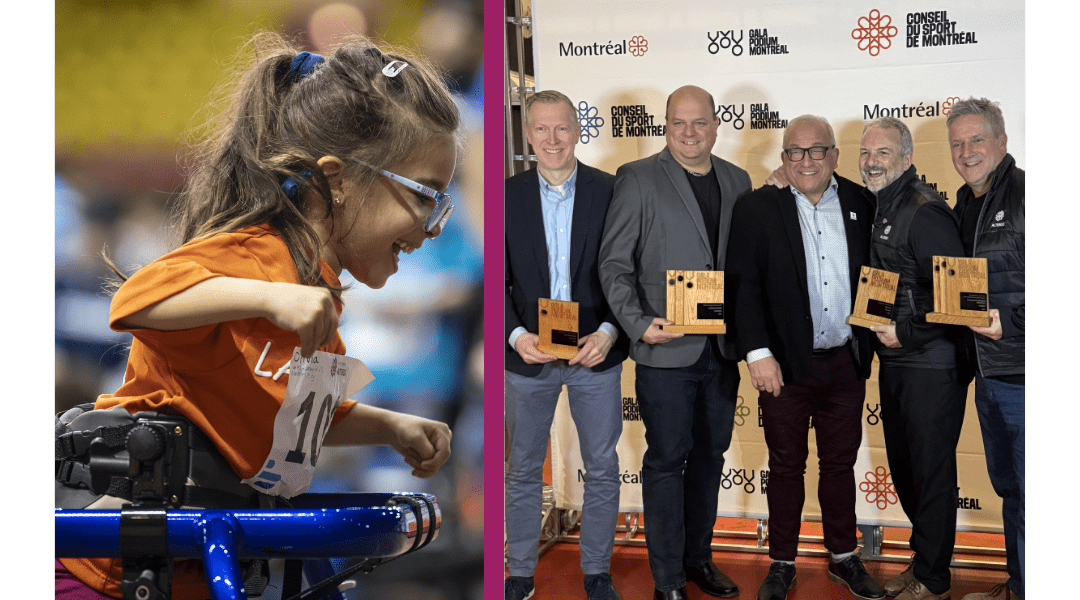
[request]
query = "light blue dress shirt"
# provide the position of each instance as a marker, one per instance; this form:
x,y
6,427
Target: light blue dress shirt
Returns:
x,y
557,205
827,283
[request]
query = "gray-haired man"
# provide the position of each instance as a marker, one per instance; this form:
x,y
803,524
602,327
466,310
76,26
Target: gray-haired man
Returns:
x,y
990,207
922,396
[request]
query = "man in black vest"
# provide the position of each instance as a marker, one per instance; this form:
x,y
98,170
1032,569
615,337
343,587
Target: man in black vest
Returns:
x,y
990,207
794,258
554,216
922,396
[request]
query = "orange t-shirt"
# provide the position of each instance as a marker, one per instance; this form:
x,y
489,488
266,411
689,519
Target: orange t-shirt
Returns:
x,y
220,376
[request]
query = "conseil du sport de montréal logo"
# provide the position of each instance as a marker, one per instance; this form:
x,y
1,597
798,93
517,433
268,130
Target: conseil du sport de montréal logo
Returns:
x,y
590,121
874,32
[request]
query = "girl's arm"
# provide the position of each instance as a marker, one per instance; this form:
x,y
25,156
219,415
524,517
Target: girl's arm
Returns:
x,y
424,443
307,310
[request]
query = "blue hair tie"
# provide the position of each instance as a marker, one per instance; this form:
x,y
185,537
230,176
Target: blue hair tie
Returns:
x,y
303,64
291,186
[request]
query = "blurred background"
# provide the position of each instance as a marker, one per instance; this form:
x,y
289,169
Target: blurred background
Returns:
x,y
132,82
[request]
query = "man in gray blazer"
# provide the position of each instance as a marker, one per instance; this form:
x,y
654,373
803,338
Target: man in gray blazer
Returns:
x,y
672,210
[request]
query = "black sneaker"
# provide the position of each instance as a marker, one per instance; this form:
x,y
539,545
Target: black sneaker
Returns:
x,y
780,579
519,588
599,587
851,572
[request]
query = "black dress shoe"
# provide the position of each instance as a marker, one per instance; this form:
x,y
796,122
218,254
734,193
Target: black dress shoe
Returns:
x,y
851,573
711,580
780,579
677,594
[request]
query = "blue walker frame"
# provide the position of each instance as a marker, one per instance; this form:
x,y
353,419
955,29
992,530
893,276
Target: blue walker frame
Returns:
x,y
318,526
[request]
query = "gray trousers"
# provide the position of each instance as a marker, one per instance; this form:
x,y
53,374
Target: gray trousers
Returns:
x,y
596,407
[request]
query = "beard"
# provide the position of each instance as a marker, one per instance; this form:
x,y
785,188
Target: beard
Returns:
x,y
882,183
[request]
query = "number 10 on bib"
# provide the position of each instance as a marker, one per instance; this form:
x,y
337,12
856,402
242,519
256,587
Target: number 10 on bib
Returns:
x,y
317,386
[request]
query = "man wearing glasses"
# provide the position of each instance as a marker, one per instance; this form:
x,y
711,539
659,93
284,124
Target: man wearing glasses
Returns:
x,y
794,258
554,216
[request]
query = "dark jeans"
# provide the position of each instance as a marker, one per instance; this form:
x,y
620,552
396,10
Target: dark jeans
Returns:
x,y
1001,418
688,414
922,411
833,397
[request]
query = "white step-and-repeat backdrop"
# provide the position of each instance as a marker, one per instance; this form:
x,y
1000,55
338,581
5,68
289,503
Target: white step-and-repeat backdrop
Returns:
x,y
766,62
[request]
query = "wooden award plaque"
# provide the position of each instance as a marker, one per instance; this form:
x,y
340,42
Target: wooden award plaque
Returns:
x,y
874,298
558,328
960,296
695,302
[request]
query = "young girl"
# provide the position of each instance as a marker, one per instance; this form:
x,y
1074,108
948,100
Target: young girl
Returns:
x,y
319,165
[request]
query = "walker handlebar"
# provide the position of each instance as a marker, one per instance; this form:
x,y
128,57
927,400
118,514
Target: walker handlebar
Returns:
x,y
318,526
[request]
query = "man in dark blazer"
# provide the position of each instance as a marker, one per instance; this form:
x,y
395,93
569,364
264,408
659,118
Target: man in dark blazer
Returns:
x,y
794,261
554,216
672,210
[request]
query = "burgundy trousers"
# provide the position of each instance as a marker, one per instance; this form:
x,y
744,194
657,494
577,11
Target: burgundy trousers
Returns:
x,y
829,400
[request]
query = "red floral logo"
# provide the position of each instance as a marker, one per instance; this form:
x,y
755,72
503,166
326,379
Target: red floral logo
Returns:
x,y
879,488
874,32
946,106
638,45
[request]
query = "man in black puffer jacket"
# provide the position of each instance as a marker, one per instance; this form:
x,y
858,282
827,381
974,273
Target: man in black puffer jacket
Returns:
x,y
922,396
991,210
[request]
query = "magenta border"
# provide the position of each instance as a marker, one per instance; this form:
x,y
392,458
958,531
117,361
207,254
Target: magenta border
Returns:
x,y
493,318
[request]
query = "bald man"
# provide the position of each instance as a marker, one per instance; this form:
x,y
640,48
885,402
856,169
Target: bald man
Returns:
x,y
672,210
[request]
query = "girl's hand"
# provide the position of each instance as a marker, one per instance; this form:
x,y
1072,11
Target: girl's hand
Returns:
x,y
424,443
307,310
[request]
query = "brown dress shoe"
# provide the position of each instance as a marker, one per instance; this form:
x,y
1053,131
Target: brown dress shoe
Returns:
x,y
897,584
917,591
998,592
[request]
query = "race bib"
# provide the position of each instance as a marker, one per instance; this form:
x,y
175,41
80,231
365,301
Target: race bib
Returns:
x,y
317,386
